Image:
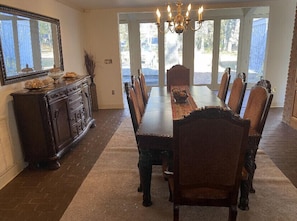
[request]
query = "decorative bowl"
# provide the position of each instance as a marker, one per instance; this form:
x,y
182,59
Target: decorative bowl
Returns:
x,y
180,96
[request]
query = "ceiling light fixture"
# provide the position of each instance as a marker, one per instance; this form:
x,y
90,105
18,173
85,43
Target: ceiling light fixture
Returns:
x,y
179,23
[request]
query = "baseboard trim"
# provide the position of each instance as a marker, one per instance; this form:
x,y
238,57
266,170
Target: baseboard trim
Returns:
x,y
11,173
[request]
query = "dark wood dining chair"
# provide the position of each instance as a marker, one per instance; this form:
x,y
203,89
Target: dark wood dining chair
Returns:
x,y
256,111
224,85
237,93
208,148
159,157
178,75
133,107
138,92
144,88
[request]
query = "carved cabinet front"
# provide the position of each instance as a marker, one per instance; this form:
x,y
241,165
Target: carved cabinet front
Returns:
x,y
52,119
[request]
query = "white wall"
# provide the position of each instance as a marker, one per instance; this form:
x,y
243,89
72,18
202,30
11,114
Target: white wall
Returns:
x,y
281,25
11,157
103,43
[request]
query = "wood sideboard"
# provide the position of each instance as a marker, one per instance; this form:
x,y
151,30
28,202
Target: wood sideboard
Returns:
x,y
52,119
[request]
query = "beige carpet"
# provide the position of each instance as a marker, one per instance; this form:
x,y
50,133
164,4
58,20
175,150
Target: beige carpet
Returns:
x,y
109,192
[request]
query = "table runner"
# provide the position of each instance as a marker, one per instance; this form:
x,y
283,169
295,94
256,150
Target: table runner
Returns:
x,y
180,110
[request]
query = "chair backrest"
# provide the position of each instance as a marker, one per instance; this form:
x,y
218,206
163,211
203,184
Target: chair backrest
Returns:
x,y
209,148
144,89
133,107
258,106
139,95
223,90
267,85
237,93
178,75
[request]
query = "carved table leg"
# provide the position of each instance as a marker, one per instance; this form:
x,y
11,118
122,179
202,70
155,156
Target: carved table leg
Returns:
x,y
145,170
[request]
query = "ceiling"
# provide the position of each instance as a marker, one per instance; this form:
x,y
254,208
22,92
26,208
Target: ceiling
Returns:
x,y
99,4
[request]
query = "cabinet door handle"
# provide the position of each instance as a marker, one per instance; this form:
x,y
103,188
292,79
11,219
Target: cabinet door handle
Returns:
x,y
56,114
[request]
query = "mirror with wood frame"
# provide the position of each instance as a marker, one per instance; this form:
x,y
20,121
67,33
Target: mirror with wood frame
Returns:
x,y
30,45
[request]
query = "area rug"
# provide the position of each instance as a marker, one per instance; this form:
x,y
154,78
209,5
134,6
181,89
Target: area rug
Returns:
x,y
109,192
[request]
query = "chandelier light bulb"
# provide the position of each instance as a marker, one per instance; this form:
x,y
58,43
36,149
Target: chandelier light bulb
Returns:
x,y
168,9
200,11
158,16
189,7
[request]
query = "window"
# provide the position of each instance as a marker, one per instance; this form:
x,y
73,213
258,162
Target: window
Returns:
x,y
257,49
217,45
6,33
17,38
203,52
46,42
228,50
173,47
125,52
149,52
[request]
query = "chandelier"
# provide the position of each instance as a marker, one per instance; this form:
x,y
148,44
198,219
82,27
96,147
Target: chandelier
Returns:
x,y
179,23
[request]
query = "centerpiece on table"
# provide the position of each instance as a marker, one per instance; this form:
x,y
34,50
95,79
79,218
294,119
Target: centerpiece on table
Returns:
x,y
180,96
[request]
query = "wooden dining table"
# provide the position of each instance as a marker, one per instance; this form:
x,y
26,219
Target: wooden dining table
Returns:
x,y
155,132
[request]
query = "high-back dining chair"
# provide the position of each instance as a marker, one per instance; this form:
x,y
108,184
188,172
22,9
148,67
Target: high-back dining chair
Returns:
x,y
159,157
256,111
138,92
178,75
208,147
144,89
224,86
134,113
133,106
237,93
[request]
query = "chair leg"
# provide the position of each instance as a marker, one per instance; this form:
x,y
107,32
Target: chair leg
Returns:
x,y
252,189
139,189
246,185
232,213
253,145
170,187
175,212
166,157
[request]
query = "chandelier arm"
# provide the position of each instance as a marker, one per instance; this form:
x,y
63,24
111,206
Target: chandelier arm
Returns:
x,y
160,29
199,27
164,31
171,28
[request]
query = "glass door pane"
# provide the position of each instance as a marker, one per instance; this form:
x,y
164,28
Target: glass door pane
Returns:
x,y
258,49
229,35
125,53
173,49
203,53
149,52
